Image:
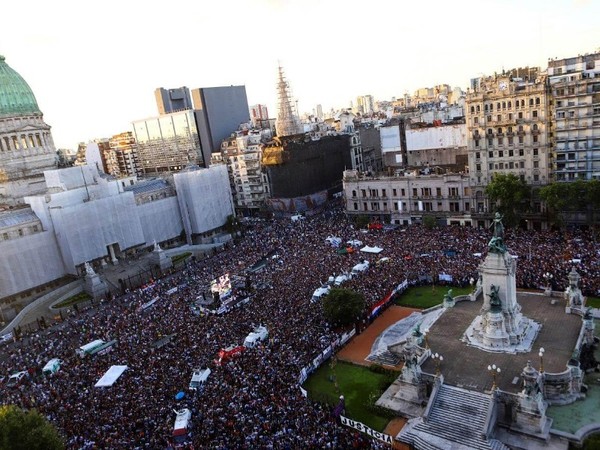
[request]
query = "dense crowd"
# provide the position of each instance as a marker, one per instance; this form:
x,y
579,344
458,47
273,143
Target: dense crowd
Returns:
x,y
252,401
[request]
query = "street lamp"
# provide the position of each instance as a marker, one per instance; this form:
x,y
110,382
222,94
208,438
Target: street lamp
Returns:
x,y
438,362
548,277
541,355
425,333
494,371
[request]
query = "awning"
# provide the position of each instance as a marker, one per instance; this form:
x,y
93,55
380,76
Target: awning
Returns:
x,y
111,375
368,249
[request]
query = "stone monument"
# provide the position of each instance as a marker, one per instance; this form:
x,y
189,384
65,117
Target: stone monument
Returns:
x,y
575,300
448,299
159,258
93,285
530,411
500,326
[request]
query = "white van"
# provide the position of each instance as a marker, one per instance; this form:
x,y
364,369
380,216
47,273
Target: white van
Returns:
x,y
342,278
89,348
182,424
320,292
361,267
259,334
199,377
52,366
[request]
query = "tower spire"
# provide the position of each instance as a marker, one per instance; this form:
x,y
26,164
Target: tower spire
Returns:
x,y
287,122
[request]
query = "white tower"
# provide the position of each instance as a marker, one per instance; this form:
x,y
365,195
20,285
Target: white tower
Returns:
x,y
287,123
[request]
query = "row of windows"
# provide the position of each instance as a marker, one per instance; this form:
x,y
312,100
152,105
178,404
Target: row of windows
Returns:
x,y
508,117
505,105
510,140
11,143
417,206
510,153
426,192
20,232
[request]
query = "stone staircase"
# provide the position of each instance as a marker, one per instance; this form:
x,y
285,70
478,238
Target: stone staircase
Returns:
x,y
385,358
456,420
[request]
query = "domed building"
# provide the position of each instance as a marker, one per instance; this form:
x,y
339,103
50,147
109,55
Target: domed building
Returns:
x,y
26,145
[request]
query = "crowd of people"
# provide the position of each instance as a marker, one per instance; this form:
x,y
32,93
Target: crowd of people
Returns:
x,y
252,401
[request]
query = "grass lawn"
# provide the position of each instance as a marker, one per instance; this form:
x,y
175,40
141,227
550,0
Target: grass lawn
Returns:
x,y
592,302
77,298
428,296
357,384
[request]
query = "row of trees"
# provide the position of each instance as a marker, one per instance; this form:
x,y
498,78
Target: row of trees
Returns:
x,y
573,202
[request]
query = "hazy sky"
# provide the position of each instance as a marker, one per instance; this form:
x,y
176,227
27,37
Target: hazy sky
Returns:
x,y
93,66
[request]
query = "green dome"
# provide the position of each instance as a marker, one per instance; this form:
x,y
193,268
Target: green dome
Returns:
x,y
16,97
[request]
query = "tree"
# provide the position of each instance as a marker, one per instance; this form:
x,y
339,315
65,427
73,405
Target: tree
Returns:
x,y
343,306
568,200
26,430
361,221
429,222
511,196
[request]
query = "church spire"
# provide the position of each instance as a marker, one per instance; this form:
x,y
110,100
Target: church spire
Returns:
x,y
287,123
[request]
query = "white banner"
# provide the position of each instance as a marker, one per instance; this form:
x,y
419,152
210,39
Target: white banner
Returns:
x,y
365,429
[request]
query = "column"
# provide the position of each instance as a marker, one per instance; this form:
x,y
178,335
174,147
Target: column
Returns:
x,y
113,257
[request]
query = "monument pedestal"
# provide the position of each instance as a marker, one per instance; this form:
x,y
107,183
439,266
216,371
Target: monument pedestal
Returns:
x,y
501,327
94,286
160,259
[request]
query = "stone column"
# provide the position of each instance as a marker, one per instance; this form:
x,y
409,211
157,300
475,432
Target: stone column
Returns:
x,y
113,257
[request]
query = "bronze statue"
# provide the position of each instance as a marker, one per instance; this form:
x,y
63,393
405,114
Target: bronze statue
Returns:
x,y
495,302
496,244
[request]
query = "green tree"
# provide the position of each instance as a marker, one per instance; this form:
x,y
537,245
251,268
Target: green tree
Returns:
x,y
511,196
361,221
343,306
567,200
26,430
429,222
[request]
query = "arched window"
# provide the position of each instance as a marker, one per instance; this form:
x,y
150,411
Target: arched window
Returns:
x,y
509,105
503,105
499,130
472,109
535,127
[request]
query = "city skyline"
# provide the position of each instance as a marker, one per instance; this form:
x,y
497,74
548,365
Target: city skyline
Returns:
x,y
94,69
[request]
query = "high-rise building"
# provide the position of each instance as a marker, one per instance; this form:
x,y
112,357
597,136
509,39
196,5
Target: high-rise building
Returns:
x,y
219,112
26,145
168,143
365,104
259,116
287,123
575,84
123,160
320,111
172,100
507,120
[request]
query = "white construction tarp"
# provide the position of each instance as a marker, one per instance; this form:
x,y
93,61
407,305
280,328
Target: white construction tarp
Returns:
x,y
111,375
368,249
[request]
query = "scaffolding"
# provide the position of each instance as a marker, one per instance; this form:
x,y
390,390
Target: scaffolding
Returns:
x,y
287,123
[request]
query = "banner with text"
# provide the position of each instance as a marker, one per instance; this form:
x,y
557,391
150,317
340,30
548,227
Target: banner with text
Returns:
x,y
365,429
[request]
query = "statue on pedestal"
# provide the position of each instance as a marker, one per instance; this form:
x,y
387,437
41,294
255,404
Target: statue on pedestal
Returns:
x,y
88,269
156,246
496,244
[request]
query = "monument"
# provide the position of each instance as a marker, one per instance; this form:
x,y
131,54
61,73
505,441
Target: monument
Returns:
x,y
94,286
159,258
575,300
500,326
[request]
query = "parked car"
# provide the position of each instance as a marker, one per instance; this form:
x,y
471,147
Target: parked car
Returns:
x,y
17,379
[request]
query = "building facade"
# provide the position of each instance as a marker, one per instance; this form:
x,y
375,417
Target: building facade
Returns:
x,y
575,84
172,100
508,131
407,199
122,158
219,112
249,185
168,143
26,144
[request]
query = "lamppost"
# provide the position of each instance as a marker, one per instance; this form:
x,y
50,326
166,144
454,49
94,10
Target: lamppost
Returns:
x,y
494,370
541,355
548,277
438,362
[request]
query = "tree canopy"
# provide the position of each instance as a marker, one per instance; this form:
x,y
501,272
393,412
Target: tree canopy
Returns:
x,y
566,199
511,195
26,430
343,306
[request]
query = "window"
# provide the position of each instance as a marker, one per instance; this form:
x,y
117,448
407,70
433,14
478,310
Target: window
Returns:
x,y
537,100
477,155
490,131
535,152
500,141
501,166
475,119
383,193
5,236
35,228
520,115
414,192
536,177
355,206
403,193
478,167
511,165
501,154
535,127
472,110
520,139
365,207
491,166
511,153
353,193
499,118
490,142
534,113
20,232
535,138
511,140
510,116
521,152
521,165
476,142
489,118
503,105
438,191
490,154
395,206
530,102
536,164
395,192
509,105
363,192
478,108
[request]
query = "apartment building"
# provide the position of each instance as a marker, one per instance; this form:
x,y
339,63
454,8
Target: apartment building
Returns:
x,y
407,199
575,85
509,130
